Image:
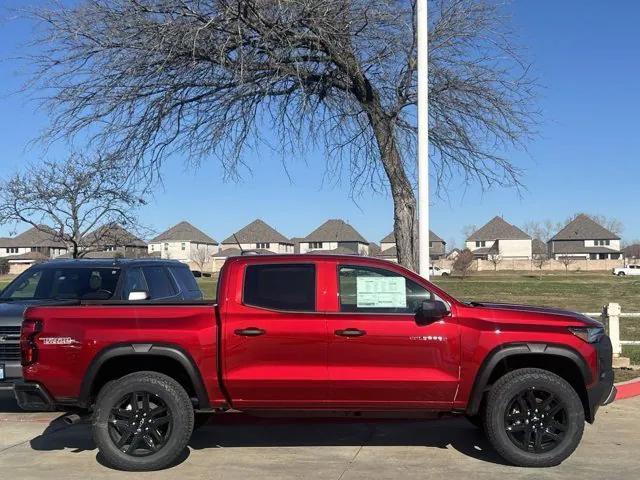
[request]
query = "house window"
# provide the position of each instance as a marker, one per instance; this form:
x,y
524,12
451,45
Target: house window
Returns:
x,y
315,244
481,243
430,244
12,250
166,247
152,248
263,245
602,243
184,246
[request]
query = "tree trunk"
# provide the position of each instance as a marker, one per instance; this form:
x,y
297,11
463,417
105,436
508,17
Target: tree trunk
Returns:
x,y
405,225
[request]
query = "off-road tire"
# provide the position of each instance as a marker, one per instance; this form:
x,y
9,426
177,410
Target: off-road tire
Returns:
x,y
178,405
499,399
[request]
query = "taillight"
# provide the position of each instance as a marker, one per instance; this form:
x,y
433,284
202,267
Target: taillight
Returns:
x,y
28,347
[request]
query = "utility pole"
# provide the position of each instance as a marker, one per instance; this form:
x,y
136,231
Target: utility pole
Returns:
x,y
423,136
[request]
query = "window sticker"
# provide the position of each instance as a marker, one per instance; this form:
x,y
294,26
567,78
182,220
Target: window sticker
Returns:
x,y
381,292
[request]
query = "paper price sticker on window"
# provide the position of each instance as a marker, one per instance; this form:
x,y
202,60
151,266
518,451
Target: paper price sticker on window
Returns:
x,y
381,292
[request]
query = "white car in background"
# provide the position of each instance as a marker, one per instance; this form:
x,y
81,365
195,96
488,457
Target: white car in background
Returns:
x,y
439,272
628,270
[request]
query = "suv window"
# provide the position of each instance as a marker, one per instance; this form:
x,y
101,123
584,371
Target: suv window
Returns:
x,y
185,278
64,283
159,282
133,280
375,290
281,287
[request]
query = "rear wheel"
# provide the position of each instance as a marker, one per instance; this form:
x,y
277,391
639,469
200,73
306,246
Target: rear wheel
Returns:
x,y
534,418
143,421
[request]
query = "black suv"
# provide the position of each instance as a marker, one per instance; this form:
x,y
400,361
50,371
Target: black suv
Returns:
x,y
82,280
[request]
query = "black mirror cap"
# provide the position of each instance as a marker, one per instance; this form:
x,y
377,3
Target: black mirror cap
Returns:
x,y
432,311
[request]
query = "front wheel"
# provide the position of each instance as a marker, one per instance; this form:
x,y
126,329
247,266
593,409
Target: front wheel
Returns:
x,y
142,422
534,418
621,274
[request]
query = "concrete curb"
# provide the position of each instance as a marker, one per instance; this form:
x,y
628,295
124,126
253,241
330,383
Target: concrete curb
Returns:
x,y
628,389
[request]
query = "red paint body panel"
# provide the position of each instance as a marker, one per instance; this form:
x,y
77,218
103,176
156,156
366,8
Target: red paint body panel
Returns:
x,y
299,362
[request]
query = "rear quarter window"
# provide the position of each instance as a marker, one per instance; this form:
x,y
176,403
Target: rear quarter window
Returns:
x,y
185,278
289,287
159,282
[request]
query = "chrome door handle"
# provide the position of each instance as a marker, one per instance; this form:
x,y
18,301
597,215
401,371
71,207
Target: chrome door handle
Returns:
x,y
250,332
350,332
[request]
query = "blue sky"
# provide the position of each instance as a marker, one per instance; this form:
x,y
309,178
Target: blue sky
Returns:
x,y
585,158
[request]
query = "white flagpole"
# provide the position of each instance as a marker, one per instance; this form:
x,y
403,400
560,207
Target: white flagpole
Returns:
x,y
423,136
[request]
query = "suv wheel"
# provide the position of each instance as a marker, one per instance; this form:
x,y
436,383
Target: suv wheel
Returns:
x,y
621,274
534,418
142,422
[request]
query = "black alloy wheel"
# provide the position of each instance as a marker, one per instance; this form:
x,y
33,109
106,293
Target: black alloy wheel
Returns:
x,y
140,424
536,420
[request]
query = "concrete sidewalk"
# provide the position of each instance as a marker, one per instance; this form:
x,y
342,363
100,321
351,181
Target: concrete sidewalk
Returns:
x,y
37,446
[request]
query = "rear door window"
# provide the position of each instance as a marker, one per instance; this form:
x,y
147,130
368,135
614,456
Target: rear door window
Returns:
x,y
289,287
159,282
133,281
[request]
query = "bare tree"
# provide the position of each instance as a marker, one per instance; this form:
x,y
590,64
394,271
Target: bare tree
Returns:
x,y
468,230
632,251
83,202
200,256
463,262
210,78
567,261
495,259
543,230
539,260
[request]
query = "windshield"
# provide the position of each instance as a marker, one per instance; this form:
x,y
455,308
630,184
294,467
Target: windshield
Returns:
x,y
63,284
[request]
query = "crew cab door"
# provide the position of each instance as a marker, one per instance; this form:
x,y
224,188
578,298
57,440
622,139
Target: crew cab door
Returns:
x,y
380,357
275,339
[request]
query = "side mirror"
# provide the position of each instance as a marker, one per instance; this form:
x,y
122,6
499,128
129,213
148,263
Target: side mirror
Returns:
x,y
431,311
137,295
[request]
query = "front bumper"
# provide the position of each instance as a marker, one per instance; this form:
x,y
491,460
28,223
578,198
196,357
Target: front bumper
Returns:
x,y
33,396
603,391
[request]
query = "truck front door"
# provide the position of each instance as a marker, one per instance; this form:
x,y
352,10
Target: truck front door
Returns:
x,y
380,357
275,340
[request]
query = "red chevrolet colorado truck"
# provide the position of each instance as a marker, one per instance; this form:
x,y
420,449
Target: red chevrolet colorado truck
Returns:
x,y
317,334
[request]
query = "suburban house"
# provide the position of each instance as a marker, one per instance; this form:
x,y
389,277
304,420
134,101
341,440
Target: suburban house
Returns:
x,y
30,247
112,240
33,240
632,251
335,236
585,238
437,247
186,243
259,236
498,238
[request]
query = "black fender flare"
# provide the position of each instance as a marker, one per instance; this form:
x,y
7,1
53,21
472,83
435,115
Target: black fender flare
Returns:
x,y
503,352
171,351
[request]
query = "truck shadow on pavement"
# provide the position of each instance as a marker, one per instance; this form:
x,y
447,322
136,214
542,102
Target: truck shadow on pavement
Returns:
x,y
238,431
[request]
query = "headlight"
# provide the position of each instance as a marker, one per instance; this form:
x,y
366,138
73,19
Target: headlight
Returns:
x,y
588,334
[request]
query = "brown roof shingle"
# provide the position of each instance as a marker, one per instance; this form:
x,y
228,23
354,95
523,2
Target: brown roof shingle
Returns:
x,y
184,232
391,238
257,232
584,227
498,229
335,230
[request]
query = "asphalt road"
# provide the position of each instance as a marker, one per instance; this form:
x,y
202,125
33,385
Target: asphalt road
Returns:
x,y
39,445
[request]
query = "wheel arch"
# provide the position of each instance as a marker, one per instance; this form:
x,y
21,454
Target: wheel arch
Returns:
x,y
115,361
559,359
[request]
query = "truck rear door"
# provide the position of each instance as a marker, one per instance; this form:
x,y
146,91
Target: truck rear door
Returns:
x,y
275,337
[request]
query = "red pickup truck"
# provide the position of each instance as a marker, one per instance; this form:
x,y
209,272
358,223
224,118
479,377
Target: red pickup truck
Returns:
x,y
317,334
